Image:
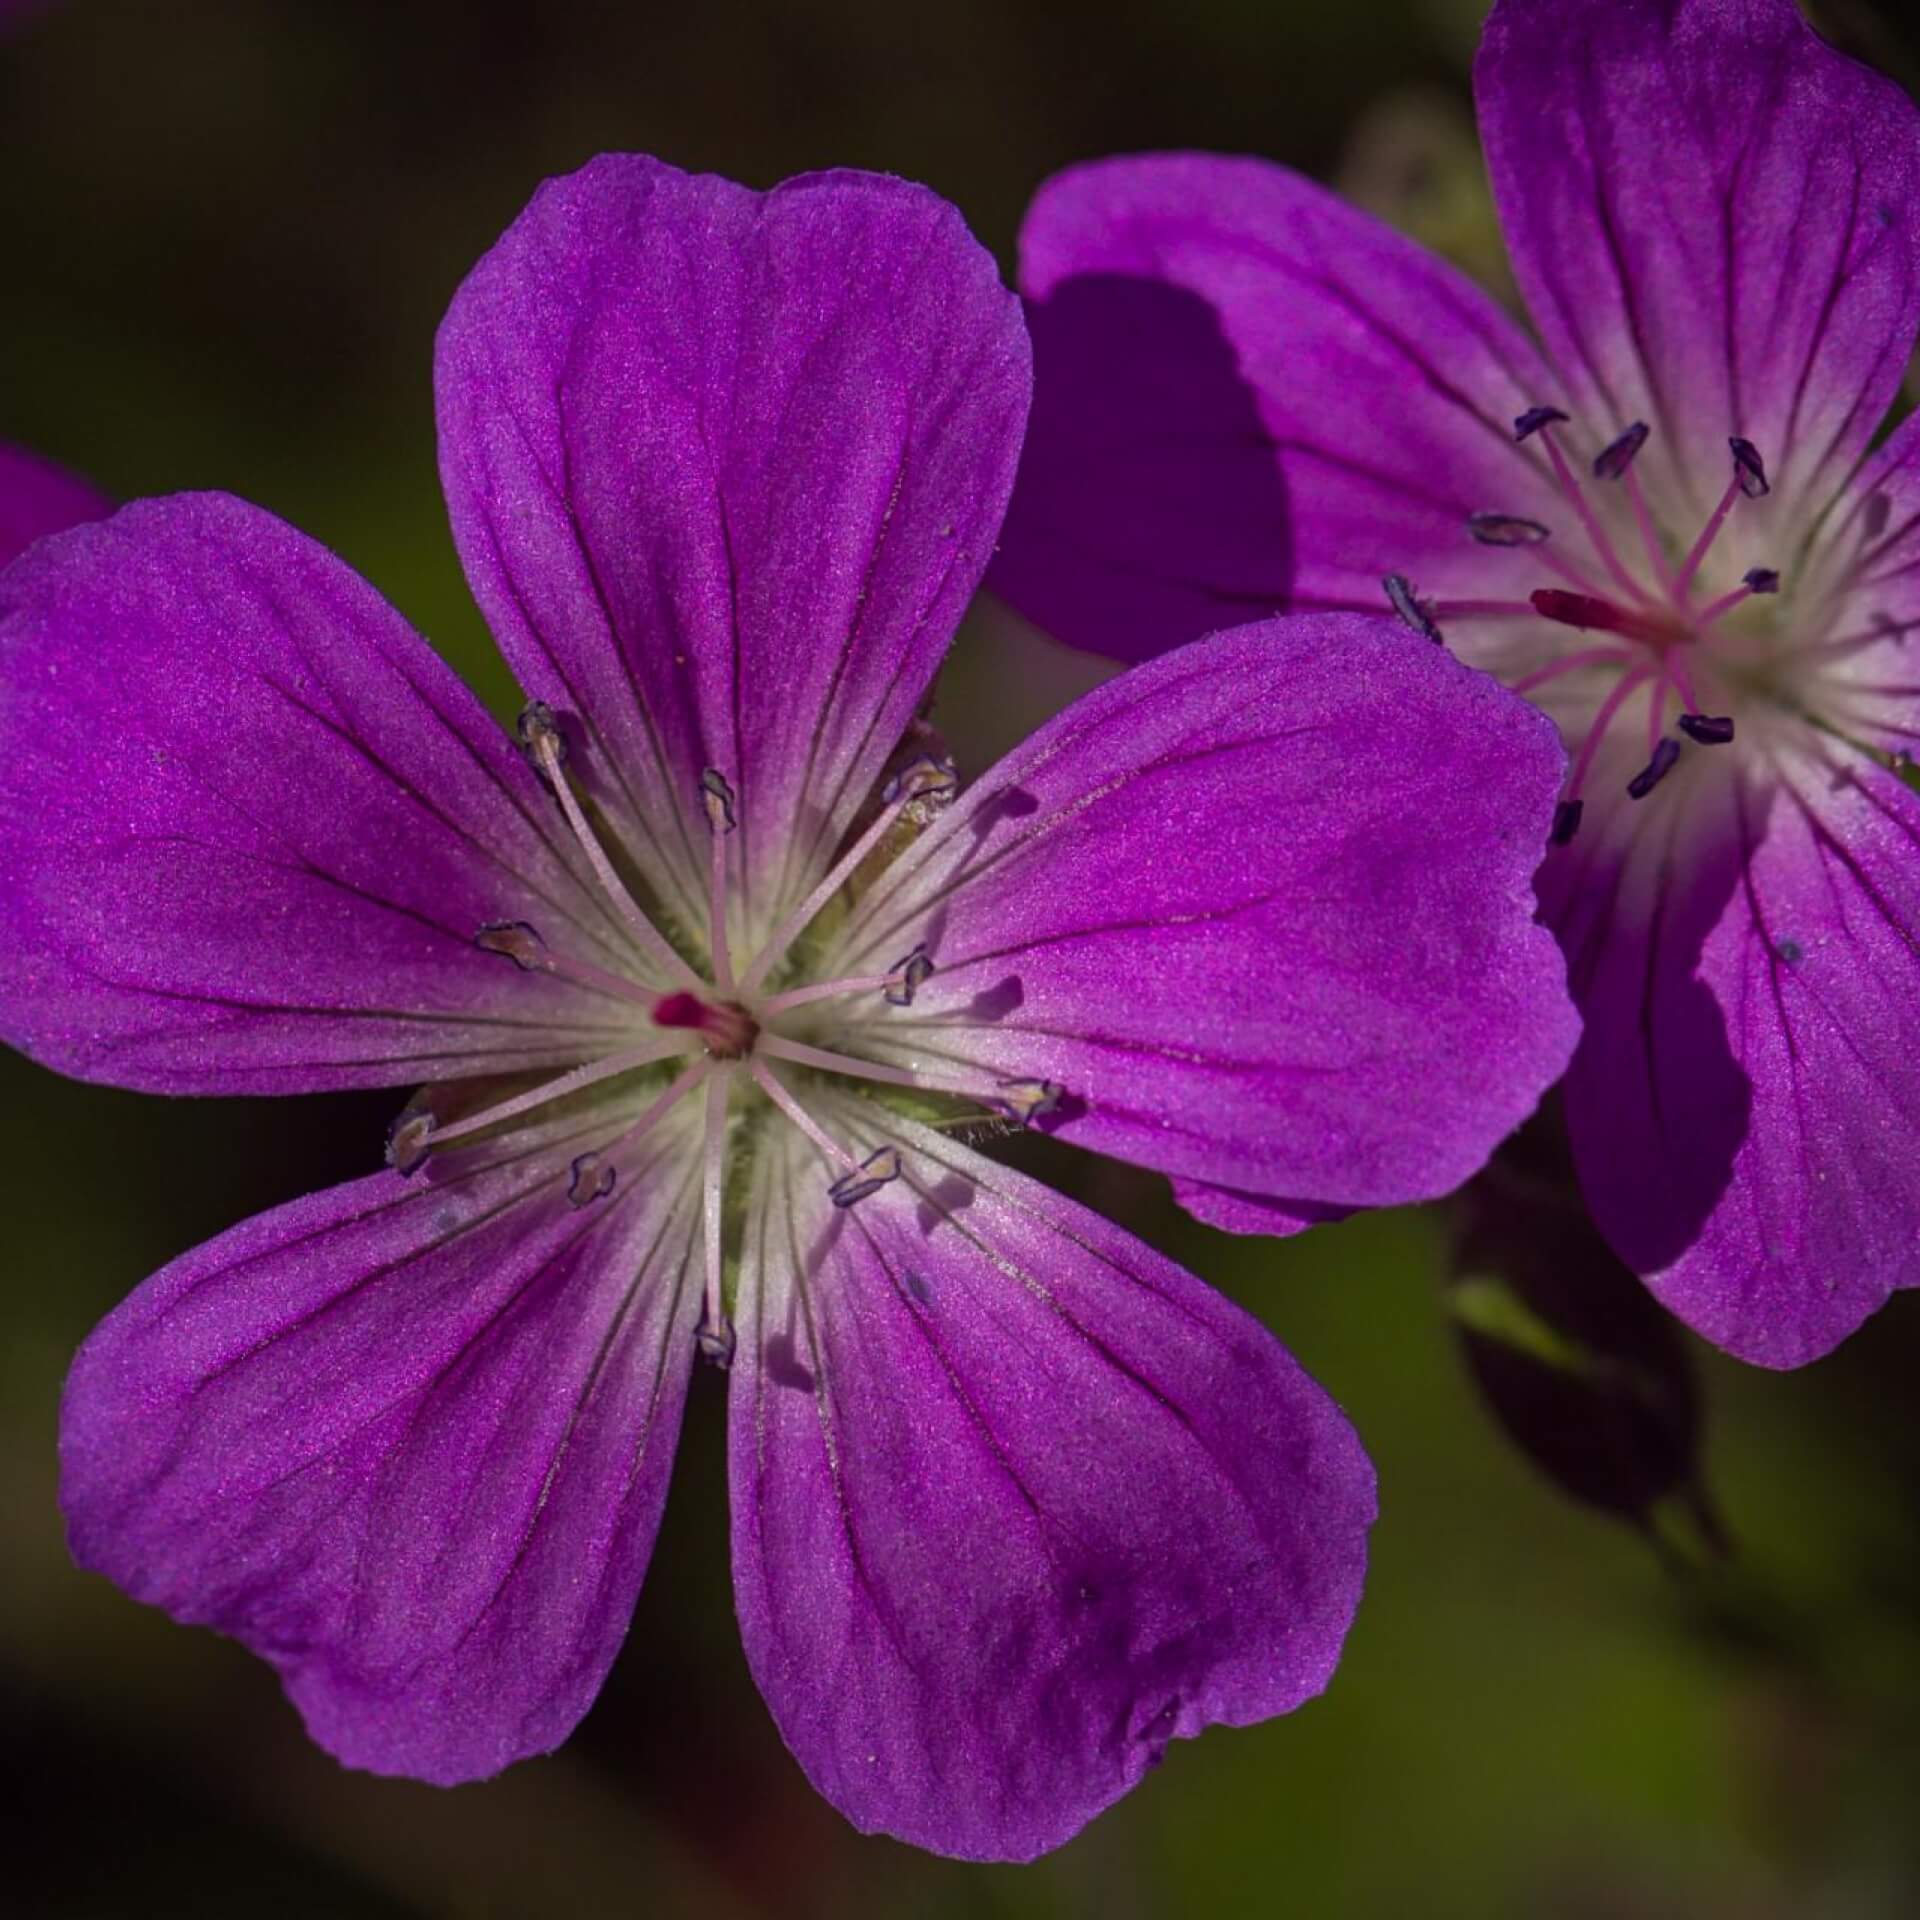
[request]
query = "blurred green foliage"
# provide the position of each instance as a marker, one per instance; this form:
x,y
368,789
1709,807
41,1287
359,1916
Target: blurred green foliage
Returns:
x,y
230,230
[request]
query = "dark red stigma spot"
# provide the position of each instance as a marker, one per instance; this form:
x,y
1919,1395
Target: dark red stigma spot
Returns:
x,y
1576,609
729,1029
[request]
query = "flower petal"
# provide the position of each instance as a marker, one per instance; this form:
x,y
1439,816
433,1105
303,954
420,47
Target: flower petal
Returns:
x,y
408,1442
1714,218
1262,908
1864,572
1015,1500
250,824
37,498
1251,396
724,469
1746,1104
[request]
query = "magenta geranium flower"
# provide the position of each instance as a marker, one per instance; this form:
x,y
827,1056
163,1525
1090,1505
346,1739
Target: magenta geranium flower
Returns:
x,y
701,974
1671,529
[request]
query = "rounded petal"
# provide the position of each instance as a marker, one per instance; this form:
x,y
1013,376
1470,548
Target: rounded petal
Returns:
x,y
408,1442
1715,220
1745,1106
37,498
250,824
1262,909
724,469
1250,395
1015,1500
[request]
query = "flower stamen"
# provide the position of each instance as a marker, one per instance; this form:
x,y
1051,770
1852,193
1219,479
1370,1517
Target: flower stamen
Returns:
x,y
922,778
715,1337
547,748
716,796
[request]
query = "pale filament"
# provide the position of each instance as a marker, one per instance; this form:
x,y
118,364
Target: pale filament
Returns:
x,y
770,1084
713,1177
855,1068
546,748
797,922
826,990
613,1065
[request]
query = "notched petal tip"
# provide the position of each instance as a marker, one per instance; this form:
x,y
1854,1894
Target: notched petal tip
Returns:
x,y
877,1170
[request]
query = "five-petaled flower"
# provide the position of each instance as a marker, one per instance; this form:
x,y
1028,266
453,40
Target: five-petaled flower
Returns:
x,y
1672,530
701,975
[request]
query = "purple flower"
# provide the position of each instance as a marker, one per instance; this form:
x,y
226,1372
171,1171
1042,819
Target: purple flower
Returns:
x,y
1671,529
701,974
37,498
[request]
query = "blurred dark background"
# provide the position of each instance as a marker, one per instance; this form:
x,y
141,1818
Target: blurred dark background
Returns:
x,y
229,231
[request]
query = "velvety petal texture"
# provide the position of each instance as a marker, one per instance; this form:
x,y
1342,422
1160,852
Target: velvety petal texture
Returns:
x,y
1261,908
1715,220
38,498
1015,1500
250,824
1249,393
408,1442
724,469
1745,1109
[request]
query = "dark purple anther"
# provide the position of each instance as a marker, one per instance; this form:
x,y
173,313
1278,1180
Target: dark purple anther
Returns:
x,y
1615,458
589,1178
909,976
1761,580
1748,468
540,737
1710,730
1506,530
1566,822
1530,422
1656,770
717,797
716,1343
875,1171
516,939
1400,597
408,1140
1028,1100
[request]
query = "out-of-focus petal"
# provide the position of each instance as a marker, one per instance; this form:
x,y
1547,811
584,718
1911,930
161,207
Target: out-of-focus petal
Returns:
x,y
1262,909
250,824
1015,1500
37,498
1715,219
408,1442
1745,1105
724,469
1250,395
